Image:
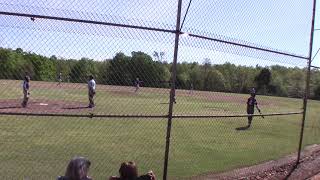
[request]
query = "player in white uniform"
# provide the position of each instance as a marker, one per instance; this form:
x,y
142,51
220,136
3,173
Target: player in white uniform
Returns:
x,y
91,91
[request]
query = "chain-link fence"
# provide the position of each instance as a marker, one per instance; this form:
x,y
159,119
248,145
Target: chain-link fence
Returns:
x,y
186,88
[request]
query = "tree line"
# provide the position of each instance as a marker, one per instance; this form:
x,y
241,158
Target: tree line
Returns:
x,y
123,70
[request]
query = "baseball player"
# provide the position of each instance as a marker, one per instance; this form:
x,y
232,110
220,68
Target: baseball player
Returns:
x,y
191,88
174,96
251,103
26,93
59,79
137,84
91,91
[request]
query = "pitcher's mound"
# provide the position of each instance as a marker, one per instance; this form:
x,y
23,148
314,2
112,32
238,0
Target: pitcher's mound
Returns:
x,y
42,106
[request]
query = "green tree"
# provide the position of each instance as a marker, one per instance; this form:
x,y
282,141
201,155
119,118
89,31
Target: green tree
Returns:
x,y
13,64
118,70
195,77
296,83
183,76
215,81
102,68
316,92
44,69
263,80
147,70
82,69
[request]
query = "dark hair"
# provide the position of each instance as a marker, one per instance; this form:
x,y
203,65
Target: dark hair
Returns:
x,y
90,77
128,171
77,168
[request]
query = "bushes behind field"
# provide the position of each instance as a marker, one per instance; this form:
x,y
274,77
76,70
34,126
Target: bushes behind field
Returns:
x,y
123,70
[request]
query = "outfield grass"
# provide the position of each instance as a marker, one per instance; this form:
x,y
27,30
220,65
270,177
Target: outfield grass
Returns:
x,y
40,147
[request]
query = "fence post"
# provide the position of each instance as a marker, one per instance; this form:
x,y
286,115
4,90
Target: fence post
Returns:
x,y
307,88
172,91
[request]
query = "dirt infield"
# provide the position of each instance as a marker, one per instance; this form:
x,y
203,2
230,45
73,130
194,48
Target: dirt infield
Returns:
x,y
283,168
42,106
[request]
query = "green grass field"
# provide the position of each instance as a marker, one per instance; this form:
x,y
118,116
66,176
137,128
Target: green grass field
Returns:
x,y
40,147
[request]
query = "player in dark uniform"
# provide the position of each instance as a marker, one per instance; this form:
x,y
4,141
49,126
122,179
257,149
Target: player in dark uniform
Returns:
x,y
59,79
174,96
191,88
251,103
26,93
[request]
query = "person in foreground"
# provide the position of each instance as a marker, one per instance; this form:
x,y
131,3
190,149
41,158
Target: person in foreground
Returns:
x,y
251,103
77,169
129,171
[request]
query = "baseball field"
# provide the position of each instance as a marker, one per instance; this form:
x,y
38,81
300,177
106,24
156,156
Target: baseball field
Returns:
x,y
40,147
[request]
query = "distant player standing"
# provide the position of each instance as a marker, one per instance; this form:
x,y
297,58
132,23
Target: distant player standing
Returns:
x,y
174,96
91,91
137,84
26,93
59,79
191,88
251,103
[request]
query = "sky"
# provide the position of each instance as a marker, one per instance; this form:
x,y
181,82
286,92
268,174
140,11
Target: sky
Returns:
x,y
277,25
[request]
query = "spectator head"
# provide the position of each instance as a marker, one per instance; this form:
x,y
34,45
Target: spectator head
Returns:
x,y
90,77
128,171
78,168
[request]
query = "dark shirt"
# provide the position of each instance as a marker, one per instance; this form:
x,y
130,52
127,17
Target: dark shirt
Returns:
x,y
25,85
136,83
250,104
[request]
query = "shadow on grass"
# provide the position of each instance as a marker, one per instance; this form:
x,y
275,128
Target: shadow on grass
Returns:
x,y
164,103
242,128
